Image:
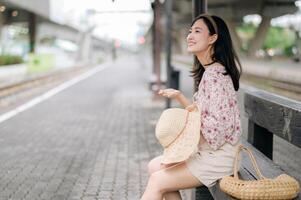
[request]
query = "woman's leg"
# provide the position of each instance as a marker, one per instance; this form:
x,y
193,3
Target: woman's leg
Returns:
x,y
169,179
155,165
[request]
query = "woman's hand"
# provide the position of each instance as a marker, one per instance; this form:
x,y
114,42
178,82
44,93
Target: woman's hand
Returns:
x,y
169,93
175,94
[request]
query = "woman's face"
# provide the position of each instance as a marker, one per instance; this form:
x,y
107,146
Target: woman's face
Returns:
x,y
198,39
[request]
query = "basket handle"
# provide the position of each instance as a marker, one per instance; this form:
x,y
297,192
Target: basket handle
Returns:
x,y
254,163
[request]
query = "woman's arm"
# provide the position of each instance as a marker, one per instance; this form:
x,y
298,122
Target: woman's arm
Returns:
x,y
175,94
183,100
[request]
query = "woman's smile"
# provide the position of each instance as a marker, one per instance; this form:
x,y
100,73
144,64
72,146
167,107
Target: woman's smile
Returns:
x,y
191,43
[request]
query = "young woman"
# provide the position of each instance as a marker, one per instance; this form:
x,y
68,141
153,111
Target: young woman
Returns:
x,y
217,77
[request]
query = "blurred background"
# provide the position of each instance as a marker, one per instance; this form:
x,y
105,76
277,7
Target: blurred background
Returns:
x,y
64,33
96,138
43,35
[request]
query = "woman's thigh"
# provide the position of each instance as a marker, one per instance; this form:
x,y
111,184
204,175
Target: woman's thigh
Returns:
x,y
175,178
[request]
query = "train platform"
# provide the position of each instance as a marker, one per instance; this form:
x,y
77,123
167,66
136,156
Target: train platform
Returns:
x,y
89,138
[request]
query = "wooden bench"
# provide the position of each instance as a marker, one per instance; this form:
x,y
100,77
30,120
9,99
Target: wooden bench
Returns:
x,y
268,115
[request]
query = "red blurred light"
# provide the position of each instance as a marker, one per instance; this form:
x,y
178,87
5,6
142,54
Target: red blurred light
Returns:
x,y
117,43
141,40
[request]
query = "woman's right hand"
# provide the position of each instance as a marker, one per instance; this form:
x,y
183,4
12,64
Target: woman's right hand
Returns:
x,y
169,93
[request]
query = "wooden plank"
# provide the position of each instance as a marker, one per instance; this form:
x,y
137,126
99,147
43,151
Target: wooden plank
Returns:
x,y
276,99
279,115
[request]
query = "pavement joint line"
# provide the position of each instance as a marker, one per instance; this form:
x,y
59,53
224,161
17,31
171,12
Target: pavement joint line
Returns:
x,y
50,93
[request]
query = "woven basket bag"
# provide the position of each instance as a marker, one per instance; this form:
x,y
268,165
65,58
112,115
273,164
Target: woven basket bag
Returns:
x,y
282,187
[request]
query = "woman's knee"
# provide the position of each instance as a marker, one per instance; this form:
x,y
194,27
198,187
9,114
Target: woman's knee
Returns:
x,y
154,182
154,165
173,179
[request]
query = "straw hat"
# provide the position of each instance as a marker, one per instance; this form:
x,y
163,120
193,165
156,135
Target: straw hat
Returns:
x,y
178,131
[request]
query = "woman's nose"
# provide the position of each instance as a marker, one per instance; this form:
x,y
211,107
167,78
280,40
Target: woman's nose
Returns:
x,y
189,37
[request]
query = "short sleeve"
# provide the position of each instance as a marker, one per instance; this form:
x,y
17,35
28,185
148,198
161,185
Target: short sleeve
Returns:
x,y
216,117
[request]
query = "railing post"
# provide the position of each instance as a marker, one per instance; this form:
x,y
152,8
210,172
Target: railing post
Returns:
x,y
156,43
168,27
198,7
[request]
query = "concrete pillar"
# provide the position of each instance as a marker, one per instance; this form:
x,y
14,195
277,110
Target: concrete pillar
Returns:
x,y
87,46
157,45
2,19
32,21
234,36
84,47
260,35
199,7
297,57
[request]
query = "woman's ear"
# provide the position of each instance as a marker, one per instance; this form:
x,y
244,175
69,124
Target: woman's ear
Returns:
x,y
212,38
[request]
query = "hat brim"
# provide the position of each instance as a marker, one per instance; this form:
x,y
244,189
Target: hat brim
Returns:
x,y
186,144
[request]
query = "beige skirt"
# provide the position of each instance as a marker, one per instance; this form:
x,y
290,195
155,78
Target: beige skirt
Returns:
x,y
209,165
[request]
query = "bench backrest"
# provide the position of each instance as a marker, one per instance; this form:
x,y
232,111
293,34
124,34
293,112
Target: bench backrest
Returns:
x,y
270,114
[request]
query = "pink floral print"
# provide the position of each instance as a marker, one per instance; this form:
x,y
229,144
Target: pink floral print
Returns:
x,y
217,103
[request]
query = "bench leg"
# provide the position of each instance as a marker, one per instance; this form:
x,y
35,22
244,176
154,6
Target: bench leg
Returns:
x,y
261,138
202,193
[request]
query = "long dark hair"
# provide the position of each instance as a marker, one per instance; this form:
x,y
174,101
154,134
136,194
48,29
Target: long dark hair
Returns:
x,y
224,52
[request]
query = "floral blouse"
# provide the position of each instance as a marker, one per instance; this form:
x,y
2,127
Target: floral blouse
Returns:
x,y
217,103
